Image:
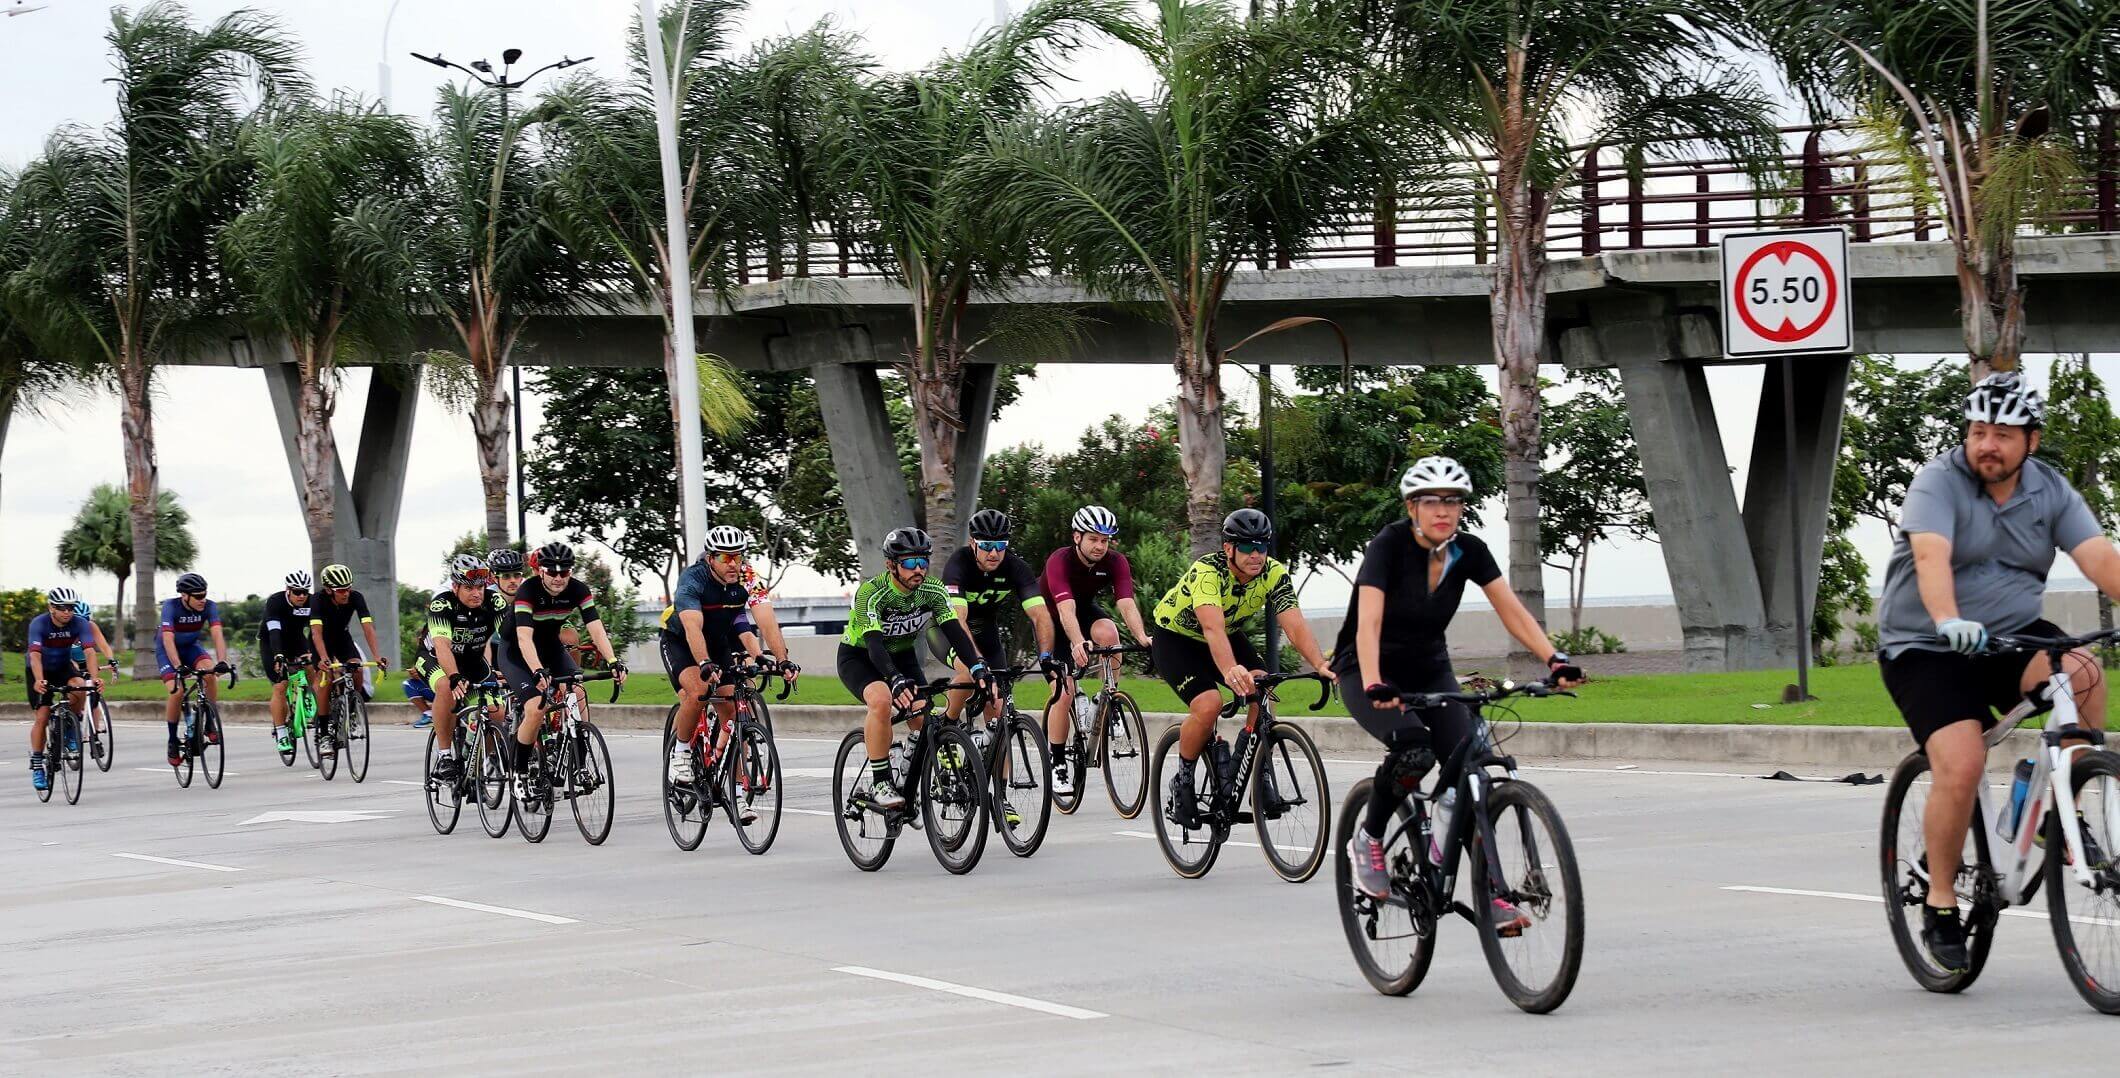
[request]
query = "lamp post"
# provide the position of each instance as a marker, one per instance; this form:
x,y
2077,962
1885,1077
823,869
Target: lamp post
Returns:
x,y
482,73
382,65
691,480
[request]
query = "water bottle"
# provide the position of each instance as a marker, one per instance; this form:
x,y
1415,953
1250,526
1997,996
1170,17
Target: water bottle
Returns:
x,y
981,738
898,757
1083,711
2019,791
1225,762
1443,808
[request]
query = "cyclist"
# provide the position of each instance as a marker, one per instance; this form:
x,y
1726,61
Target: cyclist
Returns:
x,y
283,642
418,694
705,628
94,641
981,578
461,619
1074,574
1406,592
531,650
50,670
879,661
1202,639
507,566
331,627
1977,535
184,619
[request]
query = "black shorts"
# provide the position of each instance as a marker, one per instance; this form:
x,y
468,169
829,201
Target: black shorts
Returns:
x,y
471,664
522,684
677,654
1087,613
277,672
1445,728
857,672
985,636
340,646
1189,667
1934,689
54,674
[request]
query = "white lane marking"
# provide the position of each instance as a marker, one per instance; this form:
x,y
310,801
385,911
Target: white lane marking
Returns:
x,y
47,844
1846,897
504,911
174,861
401,782
807,772
165,767
1299,850
807,812
809,740
1626,767
1042,1006
326,816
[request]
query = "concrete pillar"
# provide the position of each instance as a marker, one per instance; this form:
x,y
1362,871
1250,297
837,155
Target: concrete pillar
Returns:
x,y
977,409
367,511
8,394
877,496
1820,388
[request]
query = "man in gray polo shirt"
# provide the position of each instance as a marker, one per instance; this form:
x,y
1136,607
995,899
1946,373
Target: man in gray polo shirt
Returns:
x,y
1977,535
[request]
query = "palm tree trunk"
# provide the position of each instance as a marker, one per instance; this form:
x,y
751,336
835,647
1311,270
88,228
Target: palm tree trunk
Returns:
x,y
1991,310
118,611
142,484
1517,314
489,427
319,453
1202,445
937,398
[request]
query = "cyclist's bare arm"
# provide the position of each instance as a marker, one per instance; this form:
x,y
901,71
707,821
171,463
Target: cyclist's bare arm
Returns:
x,y
1518,620
1369,633
2100,563
1297,627
1130,612
1932,574
768,624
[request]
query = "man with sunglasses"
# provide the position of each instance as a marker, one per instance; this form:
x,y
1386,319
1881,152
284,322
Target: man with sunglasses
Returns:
x,y
461,620
184,620
51,671
331,630
879,657
1074,575
1202,636
532,652
706,627
283,642
982,577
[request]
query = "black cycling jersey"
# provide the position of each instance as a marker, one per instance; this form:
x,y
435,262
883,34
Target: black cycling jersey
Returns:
x,y
545,612
1415,620
284,629
721,607
337,617
985,595
467,628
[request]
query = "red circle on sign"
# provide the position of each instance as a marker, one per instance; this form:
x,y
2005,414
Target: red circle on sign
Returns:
x,y
1789,331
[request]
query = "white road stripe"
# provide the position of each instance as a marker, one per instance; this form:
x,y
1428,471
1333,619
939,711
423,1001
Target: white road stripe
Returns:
x,y
1226,842
807,812
167,768
504,911
1846,897
401,782
807,772
174,861
1042,1006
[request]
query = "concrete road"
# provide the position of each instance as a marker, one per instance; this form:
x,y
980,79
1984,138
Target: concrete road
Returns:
x,y
307,947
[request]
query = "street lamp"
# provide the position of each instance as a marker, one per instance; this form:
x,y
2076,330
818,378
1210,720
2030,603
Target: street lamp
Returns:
x,y
677,232
481,72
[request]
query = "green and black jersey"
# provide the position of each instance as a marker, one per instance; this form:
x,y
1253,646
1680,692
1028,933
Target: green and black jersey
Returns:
x,y
897,616
1211,582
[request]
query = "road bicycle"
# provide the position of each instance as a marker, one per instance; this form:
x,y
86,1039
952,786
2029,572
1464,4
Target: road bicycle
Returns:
x,y
1018,763
2065,833
735,764
1275,764
1108,735
1518,852
570,762
68,739
199,726
942,776
301,711
343,729
472,744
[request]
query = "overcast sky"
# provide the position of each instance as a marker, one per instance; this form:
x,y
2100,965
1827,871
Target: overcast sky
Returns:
x,y
219,445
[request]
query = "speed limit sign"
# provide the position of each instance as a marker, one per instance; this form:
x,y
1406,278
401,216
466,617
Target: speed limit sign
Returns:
x,y
1785,293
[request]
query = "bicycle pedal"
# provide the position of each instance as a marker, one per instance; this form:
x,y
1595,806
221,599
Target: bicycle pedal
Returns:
x,y
1241,816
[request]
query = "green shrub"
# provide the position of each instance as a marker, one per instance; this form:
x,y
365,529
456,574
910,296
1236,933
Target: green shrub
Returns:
x,y
1590,640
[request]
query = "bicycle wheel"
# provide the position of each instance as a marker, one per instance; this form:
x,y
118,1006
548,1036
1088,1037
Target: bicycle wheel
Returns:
x,y
1022,781
328,731
489,781
102,735
752,778
1290,804
211,744
684,810
187,748
308,733
1125,761
1536,967
1904,862
1393,939
2086,917
1191,851
63,753
533,814
443,804
1077,752
866,834
591,791
953,799
355,747
54,746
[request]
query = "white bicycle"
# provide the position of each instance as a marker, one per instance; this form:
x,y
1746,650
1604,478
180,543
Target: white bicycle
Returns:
x,y
2067,837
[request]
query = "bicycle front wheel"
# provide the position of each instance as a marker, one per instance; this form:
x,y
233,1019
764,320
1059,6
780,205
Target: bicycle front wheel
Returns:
x,y
753,785
2086,916
1125,759
586,762
489,781
1289,803
1190,846
443,804
953,799
1903,850
64,752
187,748
54,745
1022,785
211,744
1393,939
1535,956
686,810
329,732
307,732
533,814
102,735
866,834
355,748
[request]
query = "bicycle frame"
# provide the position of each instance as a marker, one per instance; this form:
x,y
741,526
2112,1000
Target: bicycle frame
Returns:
x,y
2050,775
1229,796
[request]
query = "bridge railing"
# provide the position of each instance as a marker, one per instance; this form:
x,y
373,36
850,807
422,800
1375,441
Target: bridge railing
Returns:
x,y
1827,174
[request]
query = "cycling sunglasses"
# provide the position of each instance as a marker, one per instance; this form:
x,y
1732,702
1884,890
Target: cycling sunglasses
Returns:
x,y
478,576
557,574
729,556
991,546
1251,548
1430,501
913,563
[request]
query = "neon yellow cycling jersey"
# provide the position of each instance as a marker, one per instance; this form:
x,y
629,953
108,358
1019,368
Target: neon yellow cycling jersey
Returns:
x,y
1211,582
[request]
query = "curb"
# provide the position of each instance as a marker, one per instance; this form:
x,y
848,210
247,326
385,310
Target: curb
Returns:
x,y
1875,748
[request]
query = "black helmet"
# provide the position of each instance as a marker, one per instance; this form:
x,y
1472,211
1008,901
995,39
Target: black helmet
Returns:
x,y
1247,526
555,555
907,542
989,524
505,560
191,584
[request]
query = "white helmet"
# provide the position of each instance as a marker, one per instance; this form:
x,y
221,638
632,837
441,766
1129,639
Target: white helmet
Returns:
x,y
2003,399
298,580
728,537
62,597
1096,518
1435,473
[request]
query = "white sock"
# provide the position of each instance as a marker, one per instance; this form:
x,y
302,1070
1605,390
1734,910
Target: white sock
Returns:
x,y
443,754
279,731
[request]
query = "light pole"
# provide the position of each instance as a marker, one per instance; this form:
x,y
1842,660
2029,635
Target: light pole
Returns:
x,y
481,72
382,65
691,481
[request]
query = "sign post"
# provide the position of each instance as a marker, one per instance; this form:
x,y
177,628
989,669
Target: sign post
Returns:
x,y
1785,294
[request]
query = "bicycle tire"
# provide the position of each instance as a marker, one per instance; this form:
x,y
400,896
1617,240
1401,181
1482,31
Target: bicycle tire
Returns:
x,y
103,734
533,817
1022,749
2101,987
185,747
443,818
1077,753
1903,898
62,760
1530,889
1299,786
52,737
1360,914
328,736
685,812
307,735
590,782
953,799
356,747
1191,852
755,756
1125,740
867,851
212,744
496,800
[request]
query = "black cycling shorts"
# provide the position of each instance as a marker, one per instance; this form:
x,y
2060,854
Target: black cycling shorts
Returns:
x,y
1189,667
1447,726
677,654
1934,689
55,674
470,664
986,636
857,672
522,684
292,647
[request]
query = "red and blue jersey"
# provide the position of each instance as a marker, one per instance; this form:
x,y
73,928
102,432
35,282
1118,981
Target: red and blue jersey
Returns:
x,y
54,643
188,623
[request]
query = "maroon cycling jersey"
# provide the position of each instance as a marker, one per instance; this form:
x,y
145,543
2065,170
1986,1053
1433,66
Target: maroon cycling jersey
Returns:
x,y
1067,578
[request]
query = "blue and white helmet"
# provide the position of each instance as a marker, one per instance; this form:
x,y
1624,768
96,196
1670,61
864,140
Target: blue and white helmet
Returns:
x,y
62,596
2002,398
1096,518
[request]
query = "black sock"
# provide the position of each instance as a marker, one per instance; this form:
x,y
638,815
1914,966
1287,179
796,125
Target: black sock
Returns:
x,y
172,733
36,760
1059,751
880,771
1384,799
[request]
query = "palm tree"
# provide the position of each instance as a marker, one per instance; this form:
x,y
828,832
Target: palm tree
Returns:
x,y
100,540
330,180
1988,102
121,271
1509,84
1261,133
